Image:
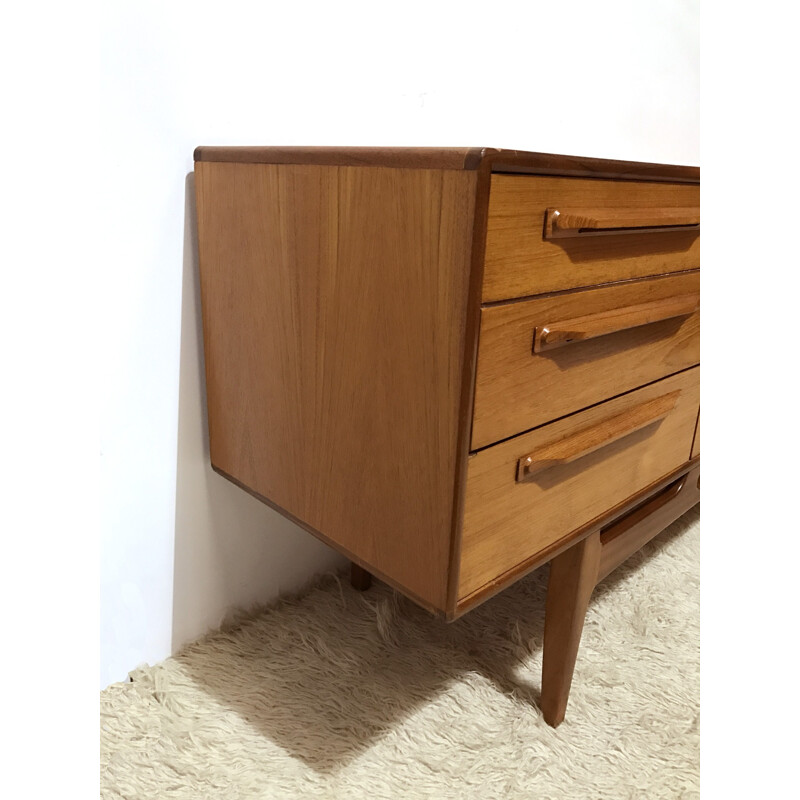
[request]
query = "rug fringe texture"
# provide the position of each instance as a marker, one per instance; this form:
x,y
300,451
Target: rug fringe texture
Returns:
x,y
338,694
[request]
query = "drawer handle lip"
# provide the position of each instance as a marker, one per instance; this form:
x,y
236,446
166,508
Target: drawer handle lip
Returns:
x,y
570,223
620,526
587,440
590,326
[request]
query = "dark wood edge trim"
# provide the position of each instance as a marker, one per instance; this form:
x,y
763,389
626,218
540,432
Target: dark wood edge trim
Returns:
x,y
665,505
455,158
469,158
334,545
483,447
619,527
556,548
521,162
468,371
589,287
694,435
476,159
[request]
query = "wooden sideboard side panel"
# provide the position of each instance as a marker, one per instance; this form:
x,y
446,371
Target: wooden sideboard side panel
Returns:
x,y
334,311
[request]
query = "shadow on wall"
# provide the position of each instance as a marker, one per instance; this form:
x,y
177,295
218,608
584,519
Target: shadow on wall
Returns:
x,y
231,551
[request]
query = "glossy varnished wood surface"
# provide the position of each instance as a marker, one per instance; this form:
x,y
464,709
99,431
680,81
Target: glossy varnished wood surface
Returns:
x,y
397,157
469,365
561,333
478,164
517,389
520,262
571,222
372,570
575,572
573,576
488,159
625,536
558,546
589,438
334,315
529,163
507,522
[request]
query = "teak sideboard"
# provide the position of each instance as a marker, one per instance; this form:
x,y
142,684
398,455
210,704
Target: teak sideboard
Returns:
x,y
456,364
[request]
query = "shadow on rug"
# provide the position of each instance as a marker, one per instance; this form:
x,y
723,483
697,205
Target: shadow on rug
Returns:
x,y
335,693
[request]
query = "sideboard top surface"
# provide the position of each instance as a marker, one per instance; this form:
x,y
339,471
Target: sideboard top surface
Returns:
x,y
456,158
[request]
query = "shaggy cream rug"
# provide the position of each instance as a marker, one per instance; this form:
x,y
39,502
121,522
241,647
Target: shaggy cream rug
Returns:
x,y
338,694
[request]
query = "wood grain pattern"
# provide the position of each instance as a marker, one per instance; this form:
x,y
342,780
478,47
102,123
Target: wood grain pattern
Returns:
x,y
570,222
562,544
334,303
469,367
516,389
603,323
528,163
573,576
520,262
507,523
487,159
575,573
397,157
376,573
624,537
584,441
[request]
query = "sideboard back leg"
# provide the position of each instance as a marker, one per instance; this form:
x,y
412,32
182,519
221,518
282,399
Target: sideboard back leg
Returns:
x,y
360,579
573,576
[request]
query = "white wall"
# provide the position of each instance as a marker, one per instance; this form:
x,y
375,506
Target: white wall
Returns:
x,y
617,79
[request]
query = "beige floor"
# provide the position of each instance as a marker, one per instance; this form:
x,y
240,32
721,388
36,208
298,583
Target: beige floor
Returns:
x,y
336,694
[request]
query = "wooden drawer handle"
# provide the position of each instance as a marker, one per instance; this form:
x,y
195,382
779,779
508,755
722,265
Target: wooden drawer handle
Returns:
x,y
581,443
621,526
578,329
563,223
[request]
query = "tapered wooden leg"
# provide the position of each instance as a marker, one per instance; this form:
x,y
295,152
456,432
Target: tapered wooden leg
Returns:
x,y
573,576
359,578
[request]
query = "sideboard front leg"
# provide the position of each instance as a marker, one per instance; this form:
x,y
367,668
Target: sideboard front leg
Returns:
x,y
573,576
360,579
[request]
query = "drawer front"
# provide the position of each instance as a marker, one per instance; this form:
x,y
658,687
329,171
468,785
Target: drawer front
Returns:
x,y
527,253
580,467
593,345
